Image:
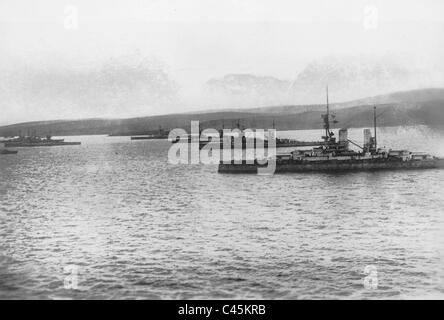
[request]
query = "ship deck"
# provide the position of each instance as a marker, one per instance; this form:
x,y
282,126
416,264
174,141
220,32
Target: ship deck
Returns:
x,y
335,165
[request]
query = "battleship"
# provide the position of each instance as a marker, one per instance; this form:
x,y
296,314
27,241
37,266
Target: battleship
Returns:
x,y
150,137
256,142
162,134
335,155
6,151
36,141
245,141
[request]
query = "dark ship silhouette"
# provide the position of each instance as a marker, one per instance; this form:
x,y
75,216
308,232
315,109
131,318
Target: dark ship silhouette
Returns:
x,y
36,141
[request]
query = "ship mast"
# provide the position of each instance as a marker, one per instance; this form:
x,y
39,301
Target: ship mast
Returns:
x,y
326,118
374,125
328,115
221,131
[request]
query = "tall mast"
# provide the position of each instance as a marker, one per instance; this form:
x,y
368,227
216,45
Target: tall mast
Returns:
x,y
328,108
327,120
374,124
221,131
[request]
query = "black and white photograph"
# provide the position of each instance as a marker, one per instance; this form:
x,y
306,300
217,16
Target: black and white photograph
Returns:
x,y
206,151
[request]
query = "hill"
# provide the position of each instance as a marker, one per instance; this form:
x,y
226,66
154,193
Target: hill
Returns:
x,y
416,107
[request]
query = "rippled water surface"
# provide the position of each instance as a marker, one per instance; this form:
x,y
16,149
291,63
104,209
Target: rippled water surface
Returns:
x,y
138,227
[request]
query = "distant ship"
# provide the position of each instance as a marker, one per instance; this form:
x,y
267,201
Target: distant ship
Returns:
x,y
160,135
36,141
254,141
150,137
336,156
6,151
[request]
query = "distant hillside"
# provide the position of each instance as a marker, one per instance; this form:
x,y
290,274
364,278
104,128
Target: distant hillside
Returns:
x,y
133,126
415,107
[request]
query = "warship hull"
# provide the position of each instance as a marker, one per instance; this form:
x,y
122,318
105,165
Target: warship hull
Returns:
x,y
335,166
3,151
39,144
149,138
263,144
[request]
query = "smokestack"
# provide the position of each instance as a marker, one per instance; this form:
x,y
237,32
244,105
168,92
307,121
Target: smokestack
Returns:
x,y
367,138
343,135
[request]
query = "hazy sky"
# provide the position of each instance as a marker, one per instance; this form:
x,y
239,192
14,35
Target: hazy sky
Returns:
x,y
74,59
